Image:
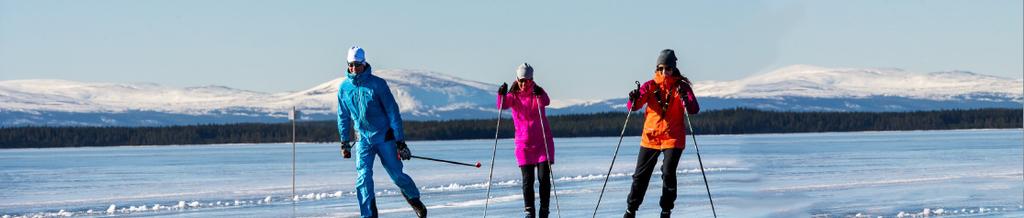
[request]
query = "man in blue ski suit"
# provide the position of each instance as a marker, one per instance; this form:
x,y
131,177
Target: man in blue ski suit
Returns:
x,y
365,101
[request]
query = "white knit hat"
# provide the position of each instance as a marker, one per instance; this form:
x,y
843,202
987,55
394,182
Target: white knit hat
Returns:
x,y
356,54
524,71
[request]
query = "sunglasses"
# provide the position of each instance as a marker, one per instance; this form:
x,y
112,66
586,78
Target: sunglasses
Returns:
x,y
524,80
355,64
663,68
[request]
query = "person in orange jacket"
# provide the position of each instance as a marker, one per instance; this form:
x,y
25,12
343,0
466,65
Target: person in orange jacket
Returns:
x,y
665,96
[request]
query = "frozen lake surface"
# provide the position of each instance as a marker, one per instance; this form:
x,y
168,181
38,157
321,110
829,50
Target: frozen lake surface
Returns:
x,y
959,173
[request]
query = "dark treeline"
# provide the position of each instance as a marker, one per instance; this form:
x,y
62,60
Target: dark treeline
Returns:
x,y
733,121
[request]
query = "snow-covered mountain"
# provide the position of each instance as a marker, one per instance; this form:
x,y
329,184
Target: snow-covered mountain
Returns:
x,y
420,95
425,95
811,88
819,82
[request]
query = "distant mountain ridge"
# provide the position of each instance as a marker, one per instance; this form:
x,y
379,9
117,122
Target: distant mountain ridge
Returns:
x,y
819,82
812,88
420,95
426,95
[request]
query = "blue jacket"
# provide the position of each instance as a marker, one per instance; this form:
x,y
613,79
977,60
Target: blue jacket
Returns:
x,y
366,99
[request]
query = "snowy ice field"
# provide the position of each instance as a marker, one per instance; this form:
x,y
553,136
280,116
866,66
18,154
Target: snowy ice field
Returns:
x,y
954,173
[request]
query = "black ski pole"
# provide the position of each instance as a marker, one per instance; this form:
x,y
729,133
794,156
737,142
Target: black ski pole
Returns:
x,y
494,152
686,114
629,111
551,170
477,165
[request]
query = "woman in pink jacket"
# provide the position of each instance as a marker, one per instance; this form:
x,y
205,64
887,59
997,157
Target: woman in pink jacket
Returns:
x,y
526,100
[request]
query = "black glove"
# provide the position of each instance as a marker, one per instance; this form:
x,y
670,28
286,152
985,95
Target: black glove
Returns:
x,y
684,85
403,150
537,90
503,89
634,95
346,149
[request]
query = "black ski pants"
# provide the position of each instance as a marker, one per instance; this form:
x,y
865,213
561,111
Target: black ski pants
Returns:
x,y
645,162
530,173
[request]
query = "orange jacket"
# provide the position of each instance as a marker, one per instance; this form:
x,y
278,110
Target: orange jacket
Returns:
x,y
664,128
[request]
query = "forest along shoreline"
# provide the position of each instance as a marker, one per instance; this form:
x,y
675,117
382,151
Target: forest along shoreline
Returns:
x,y
718,122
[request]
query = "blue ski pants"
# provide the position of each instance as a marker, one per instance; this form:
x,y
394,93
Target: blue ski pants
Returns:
x,y
388,153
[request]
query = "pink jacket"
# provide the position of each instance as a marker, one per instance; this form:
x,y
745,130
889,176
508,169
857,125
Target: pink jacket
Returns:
x,y
529,147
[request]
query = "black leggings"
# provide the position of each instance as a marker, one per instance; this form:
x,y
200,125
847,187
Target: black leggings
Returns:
x,y
544,170
645,162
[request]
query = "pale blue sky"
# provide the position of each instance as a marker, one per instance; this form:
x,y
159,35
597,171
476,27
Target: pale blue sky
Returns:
x,y
580,49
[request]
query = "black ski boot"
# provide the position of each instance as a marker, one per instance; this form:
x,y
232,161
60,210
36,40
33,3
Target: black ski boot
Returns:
x,y
529,213
629,214
418,207
666,214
